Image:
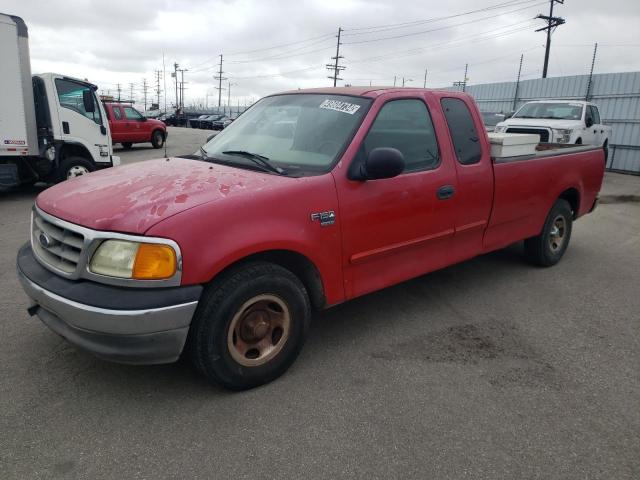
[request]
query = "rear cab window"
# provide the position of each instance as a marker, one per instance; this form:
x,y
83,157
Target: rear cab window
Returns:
x,y
462,129
117,114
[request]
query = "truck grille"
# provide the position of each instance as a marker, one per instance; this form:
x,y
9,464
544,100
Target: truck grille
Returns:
x,y
54,245
544,134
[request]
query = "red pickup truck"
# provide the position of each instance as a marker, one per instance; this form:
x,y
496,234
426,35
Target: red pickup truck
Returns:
x,y
309,199
129,126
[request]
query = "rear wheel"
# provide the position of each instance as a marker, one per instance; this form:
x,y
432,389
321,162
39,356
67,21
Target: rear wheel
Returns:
x,y
250,326
127,145
157,139
605,147
72,167
548,248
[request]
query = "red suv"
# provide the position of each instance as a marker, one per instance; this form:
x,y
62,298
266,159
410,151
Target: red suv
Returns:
x,y
129,126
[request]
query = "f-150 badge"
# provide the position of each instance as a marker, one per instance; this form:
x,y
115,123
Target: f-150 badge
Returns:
x,y
325,218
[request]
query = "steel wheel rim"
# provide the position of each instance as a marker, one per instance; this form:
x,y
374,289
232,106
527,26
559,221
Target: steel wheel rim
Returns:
x,y
259,330
558,233
77,171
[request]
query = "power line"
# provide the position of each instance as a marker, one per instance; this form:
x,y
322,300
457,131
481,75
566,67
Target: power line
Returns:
x,y
394,26
552,23
445,27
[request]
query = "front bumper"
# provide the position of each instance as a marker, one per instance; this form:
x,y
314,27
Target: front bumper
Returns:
x,y
139,326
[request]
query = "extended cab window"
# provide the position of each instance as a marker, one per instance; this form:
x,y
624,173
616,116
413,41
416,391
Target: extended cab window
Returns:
x,y
595,115
70,96
404,125
132,114
464,135
117,114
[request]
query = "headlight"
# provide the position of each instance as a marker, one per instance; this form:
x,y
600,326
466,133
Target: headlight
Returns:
x,y
500,129
561,135
140,261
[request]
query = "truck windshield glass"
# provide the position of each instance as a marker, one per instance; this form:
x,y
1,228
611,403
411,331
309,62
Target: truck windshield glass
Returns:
x,y
301,133
70,96
555,111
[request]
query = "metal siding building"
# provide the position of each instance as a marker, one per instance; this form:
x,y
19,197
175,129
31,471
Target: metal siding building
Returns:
x,y
616,94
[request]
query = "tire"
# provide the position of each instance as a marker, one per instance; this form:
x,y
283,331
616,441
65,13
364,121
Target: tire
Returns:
x,y
72,167
548,248
605,147
127,145
579,141
250,326
157,139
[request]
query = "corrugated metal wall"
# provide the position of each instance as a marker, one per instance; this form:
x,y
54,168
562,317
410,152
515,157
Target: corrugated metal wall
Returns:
x,y
616,94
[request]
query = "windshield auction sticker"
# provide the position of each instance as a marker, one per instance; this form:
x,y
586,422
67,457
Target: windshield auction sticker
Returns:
x,y
337,105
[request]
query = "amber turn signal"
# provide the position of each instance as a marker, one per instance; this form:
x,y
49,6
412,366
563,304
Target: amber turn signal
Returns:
x,y
154,262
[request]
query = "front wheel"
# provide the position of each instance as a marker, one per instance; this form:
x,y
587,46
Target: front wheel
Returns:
x,y
74,167
250,326
548,248
127,145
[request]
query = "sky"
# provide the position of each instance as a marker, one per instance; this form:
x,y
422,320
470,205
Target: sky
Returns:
x,y
270,46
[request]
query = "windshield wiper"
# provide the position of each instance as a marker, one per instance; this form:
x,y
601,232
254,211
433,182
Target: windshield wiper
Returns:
x,y
260,160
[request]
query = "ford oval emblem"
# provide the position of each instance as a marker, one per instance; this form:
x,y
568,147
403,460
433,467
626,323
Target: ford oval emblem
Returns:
x,y
45,240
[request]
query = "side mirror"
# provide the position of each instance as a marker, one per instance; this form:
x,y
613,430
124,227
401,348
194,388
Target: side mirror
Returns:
x,y
589,122
87,100
381,163
143,119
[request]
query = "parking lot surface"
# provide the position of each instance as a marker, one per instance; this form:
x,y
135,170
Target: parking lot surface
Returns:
x,y
488,369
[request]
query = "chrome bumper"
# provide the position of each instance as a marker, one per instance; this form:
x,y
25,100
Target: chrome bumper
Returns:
x,y
140,336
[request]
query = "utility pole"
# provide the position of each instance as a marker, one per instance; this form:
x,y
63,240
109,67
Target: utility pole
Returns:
x,y
425,79
145,87
175,75
131,92
182,70
220,78
394,80
336,67
406,80
464,83
119,90
229,84
515,94
590,83
552,23
158,91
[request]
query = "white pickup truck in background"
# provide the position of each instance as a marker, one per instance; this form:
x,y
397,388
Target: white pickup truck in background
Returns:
x,y
560,121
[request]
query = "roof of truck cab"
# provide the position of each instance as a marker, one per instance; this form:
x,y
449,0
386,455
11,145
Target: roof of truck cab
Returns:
x,y
363,91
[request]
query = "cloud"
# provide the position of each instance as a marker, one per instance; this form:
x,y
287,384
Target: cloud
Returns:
x,y
123,41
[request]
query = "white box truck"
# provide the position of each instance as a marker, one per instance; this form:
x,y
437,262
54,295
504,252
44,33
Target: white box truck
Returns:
x,y
52,127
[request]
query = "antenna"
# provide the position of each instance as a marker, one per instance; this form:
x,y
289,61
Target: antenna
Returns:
x,y
164,79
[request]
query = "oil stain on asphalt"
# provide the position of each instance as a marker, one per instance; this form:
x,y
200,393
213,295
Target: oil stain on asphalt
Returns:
x,y
505,359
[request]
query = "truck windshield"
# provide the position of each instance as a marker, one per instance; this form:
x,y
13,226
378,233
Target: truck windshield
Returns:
x,y
303,134
555,111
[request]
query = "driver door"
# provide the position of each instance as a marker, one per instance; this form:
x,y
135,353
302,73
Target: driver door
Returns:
x,y
397,228
135,125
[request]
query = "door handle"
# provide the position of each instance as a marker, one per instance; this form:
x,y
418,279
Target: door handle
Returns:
x,y
445,192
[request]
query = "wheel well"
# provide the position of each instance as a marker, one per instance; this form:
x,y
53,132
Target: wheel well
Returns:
x,y
163,132
572,196
579,141
74,150
296,263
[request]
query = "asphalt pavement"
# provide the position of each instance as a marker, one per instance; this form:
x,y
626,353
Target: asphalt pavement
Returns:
x,y
490,369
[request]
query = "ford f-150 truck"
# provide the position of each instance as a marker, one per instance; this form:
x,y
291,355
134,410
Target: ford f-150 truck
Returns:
x,y
129,126
560,121
309,199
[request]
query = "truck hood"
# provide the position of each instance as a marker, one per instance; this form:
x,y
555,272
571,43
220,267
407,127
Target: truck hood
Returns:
x,y
133,198
541,122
